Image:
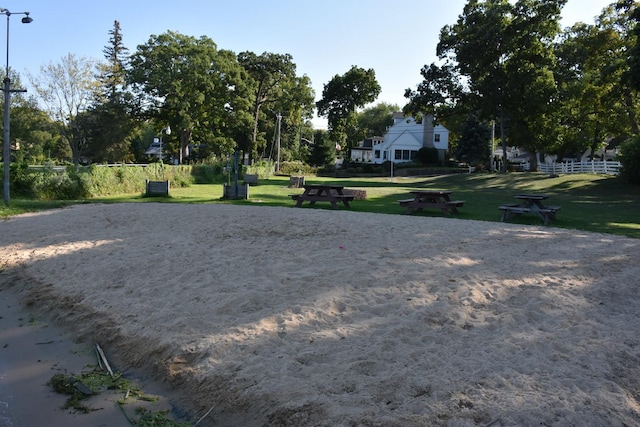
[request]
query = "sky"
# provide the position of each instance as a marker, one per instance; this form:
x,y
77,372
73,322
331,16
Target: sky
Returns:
x,y
325,38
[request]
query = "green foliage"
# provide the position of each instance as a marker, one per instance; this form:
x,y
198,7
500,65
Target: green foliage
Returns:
x,y
375,121
147,418
499,61
21,182
297,169
474,143
630,159
344,94
262,168
205,174
47,183
634,51
274,88
204,90
65,90
81,386
323,150
428,155
106,181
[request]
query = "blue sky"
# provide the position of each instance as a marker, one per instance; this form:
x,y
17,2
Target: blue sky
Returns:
x,y
324,37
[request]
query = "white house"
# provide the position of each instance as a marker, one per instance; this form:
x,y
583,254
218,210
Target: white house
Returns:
x,y
405,137
364,151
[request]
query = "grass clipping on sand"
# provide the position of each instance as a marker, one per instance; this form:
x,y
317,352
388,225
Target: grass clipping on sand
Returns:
x,y
99,379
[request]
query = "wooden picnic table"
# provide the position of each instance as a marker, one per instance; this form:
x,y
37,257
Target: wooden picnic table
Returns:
x,y
437,199
531,203
322,193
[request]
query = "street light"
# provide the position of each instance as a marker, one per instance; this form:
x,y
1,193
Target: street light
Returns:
x,y
167,131
6,157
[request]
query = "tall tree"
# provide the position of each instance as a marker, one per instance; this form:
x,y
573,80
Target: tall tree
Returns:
x,y
530,83
586,114
33,133
616,25
342,96
323,150
634,53
113,121
66,90
274,84
374,121
474,146
501,54
192,86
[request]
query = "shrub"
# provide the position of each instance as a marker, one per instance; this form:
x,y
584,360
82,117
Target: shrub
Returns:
x,y
204,174
428,156
630,159
297,169
21,180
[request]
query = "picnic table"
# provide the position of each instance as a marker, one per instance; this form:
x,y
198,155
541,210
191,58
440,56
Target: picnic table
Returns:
x,y
322,193
437,199
531,203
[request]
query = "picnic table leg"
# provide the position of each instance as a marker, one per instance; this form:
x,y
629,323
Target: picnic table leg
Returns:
x,y
545,217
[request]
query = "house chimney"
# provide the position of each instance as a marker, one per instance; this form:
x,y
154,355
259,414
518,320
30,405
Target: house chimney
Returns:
x,y
427,123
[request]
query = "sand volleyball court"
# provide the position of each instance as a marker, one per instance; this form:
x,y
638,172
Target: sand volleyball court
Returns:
x,y
309,317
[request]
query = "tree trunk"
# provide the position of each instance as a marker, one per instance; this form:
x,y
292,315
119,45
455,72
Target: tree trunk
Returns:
x,y
503,140
633,119
185,138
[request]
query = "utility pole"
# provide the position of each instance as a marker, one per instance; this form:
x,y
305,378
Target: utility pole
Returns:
x,y
279,117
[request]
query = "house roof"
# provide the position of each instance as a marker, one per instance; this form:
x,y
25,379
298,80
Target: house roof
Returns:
x,y
404,137
153,150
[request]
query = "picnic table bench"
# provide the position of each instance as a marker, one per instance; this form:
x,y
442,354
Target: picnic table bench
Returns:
x,y
438,199
532,203
323,193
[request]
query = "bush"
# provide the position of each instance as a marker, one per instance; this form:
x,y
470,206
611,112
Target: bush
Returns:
x,y
428,156
296,169
204,174
72,183
630,159
21,181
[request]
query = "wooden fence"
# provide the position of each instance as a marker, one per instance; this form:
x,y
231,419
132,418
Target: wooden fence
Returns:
x,y
599,167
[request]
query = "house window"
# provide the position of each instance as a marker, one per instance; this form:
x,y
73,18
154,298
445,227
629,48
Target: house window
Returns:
x,y
414,154
377,154
398,155
436,137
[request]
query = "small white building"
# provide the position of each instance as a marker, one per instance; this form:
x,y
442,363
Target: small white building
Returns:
x,y
405,137
364,151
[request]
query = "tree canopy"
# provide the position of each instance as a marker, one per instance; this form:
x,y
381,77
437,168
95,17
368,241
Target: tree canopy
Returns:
x,y
191,86
342,96
551,91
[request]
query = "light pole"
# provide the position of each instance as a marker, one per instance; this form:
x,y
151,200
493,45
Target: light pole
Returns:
x,y
6,156
167,131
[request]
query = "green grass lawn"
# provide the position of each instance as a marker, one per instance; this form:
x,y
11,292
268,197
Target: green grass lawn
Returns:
x,y
589,202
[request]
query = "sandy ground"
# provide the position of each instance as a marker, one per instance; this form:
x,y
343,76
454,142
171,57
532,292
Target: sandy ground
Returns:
x,y
312,317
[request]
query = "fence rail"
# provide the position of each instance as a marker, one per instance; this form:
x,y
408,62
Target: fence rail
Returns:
x,y
599,167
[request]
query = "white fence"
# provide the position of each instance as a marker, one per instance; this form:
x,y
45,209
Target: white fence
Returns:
x,y
600,167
